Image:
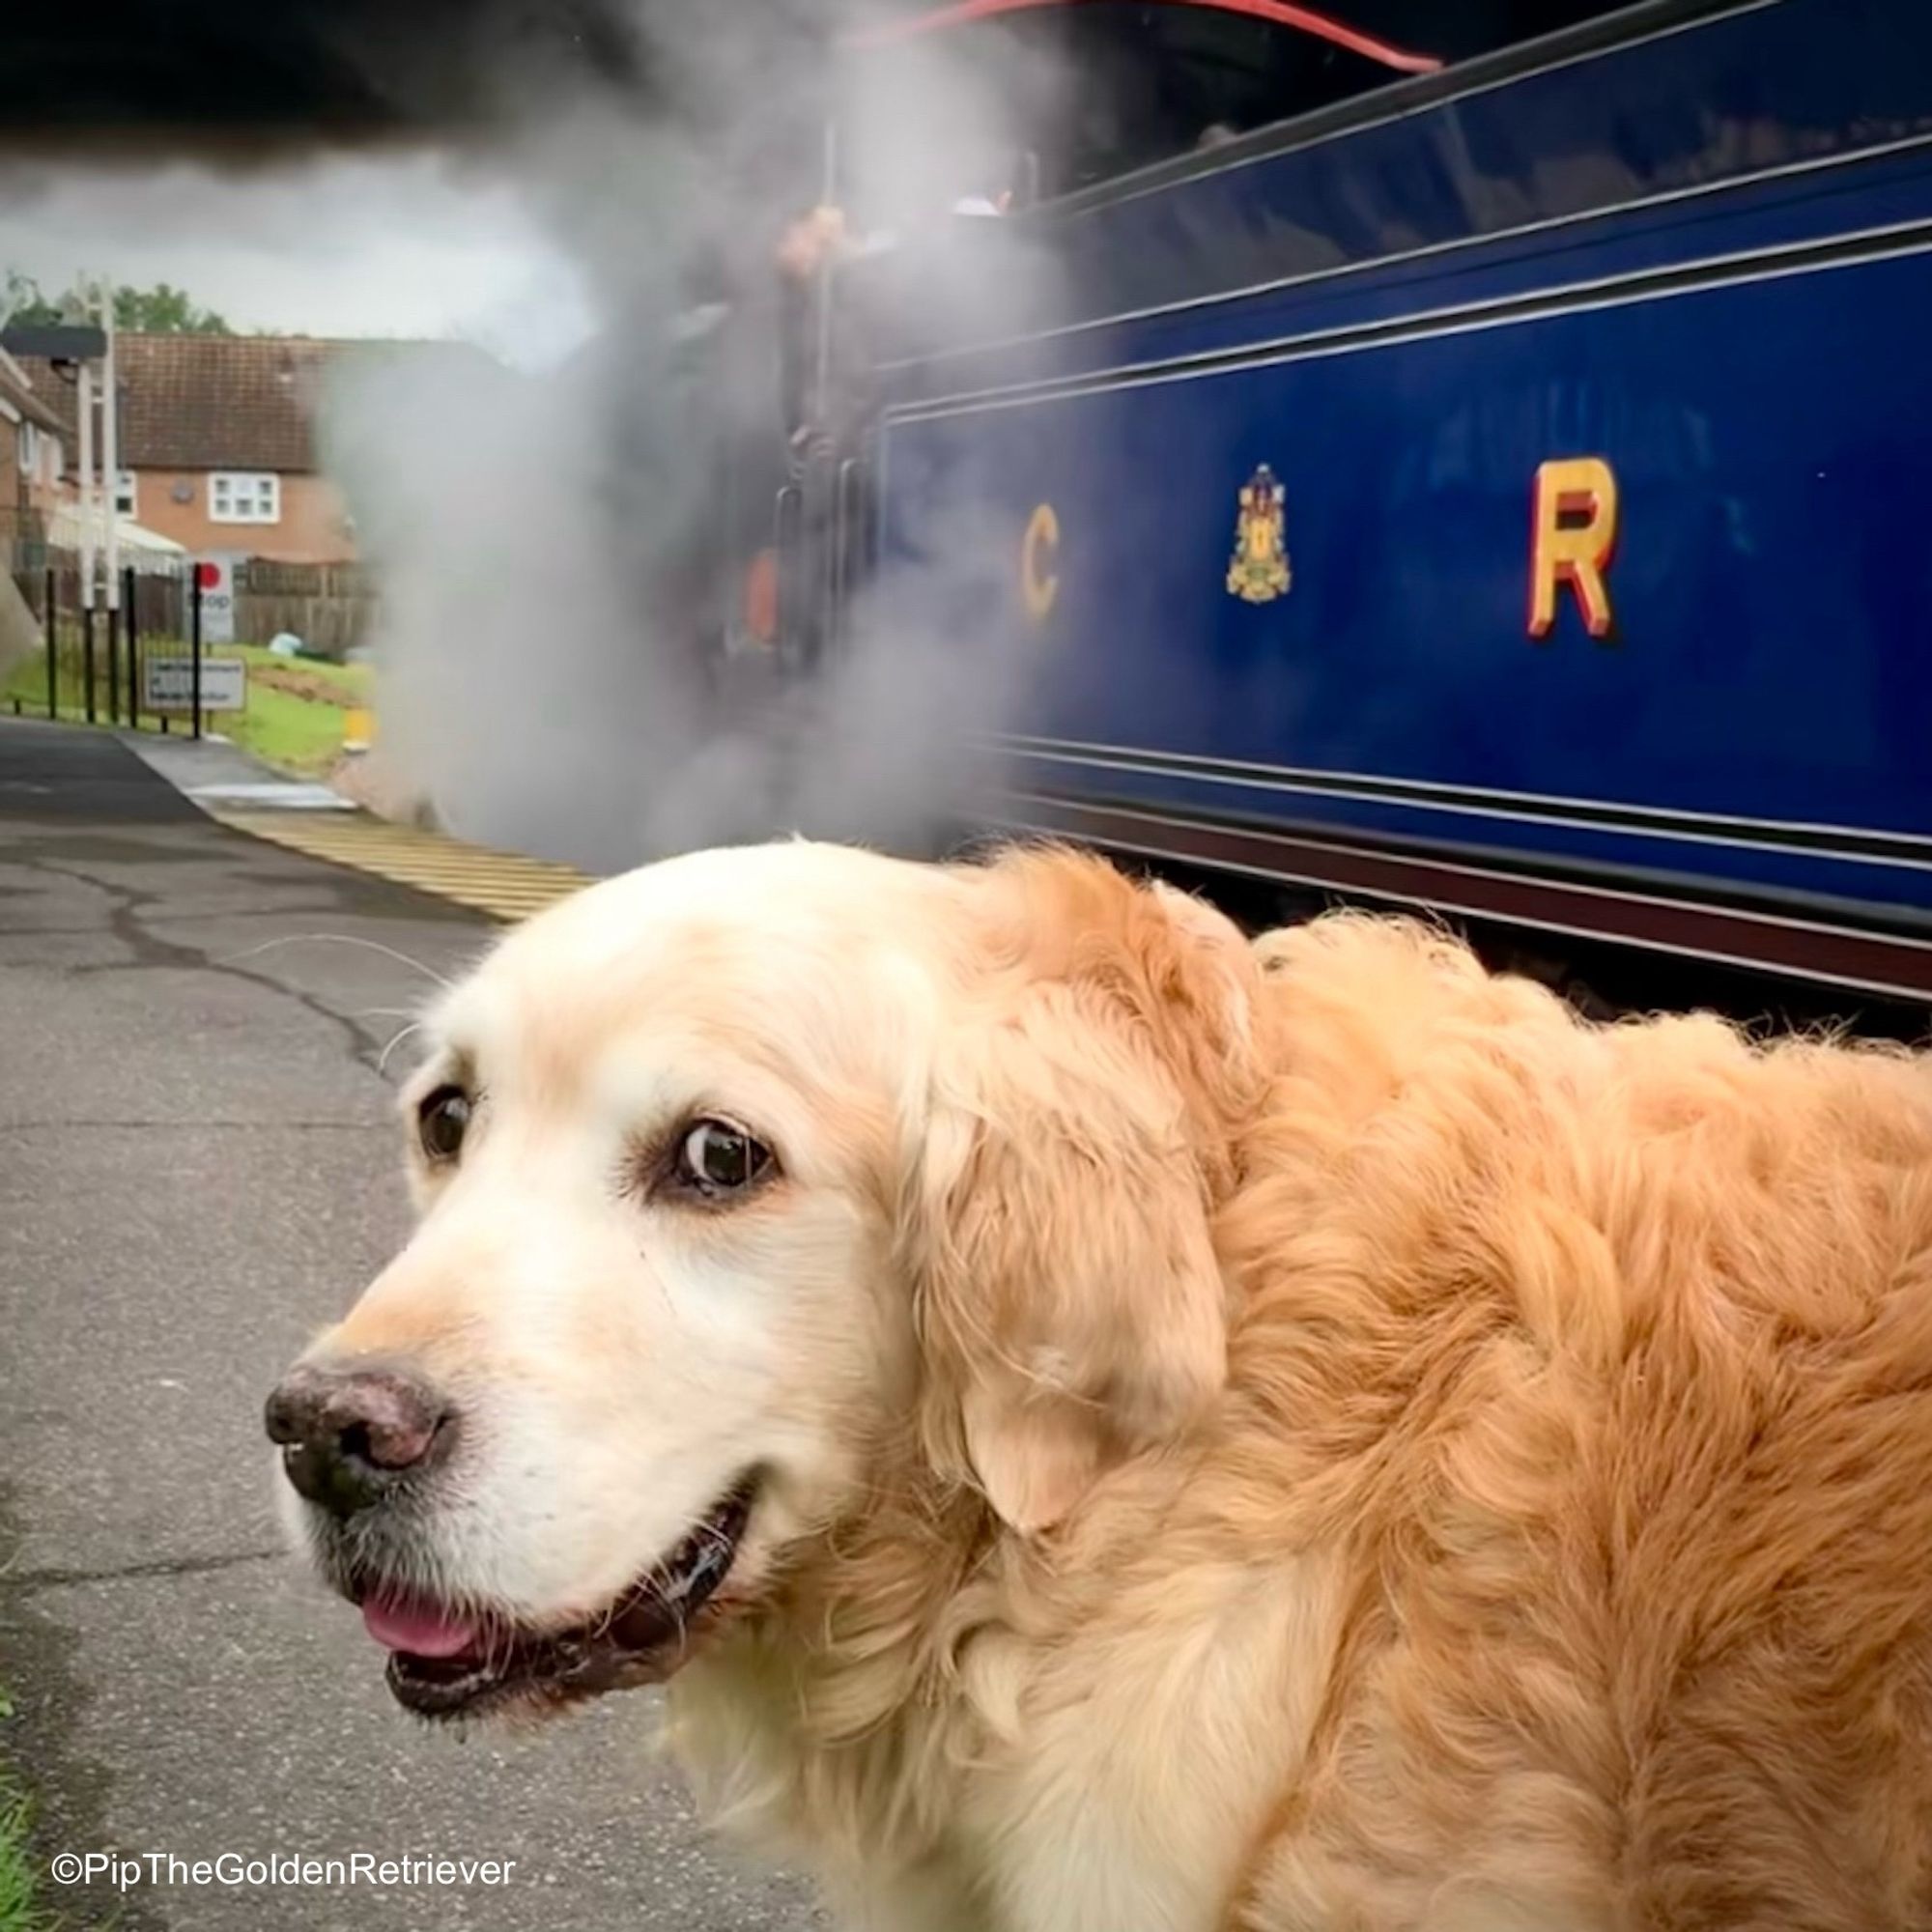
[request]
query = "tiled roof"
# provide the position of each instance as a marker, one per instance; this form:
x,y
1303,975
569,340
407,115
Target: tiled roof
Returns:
x,y
219,402
52,390
26,395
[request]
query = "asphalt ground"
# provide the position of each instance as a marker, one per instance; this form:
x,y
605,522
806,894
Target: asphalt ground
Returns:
x,y
198,1168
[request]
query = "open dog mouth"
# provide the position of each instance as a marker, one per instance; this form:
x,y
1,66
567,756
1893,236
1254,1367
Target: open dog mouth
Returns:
x,y
444,1663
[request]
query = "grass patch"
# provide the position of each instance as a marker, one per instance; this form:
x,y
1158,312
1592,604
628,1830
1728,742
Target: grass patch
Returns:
x,y
294,734
20,1907
346,684
19,1910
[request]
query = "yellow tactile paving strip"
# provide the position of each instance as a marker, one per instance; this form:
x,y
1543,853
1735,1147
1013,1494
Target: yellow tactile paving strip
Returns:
x,y
505,884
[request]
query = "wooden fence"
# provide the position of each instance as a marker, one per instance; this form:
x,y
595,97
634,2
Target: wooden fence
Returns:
x,y
331,606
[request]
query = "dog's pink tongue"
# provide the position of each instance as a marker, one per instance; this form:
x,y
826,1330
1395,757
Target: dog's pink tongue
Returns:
x,y
420,1629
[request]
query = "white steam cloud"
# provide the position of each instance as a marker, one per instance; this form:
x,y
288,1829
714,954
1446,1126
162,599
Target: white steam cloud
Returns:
x,y
541,539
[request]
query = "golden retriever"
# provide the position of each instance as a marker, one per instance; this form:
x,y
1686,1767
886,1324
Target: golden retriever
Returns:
x,y
1117,1429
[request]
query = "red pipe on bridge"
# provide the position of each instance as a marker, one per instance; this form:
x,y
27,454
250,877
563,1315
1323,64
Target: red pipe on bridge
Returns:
x,y
1280,12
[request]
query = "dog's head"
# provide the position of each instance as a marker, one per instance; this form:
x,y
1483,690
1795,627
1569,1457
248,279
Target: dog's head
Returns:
x,y
733,1169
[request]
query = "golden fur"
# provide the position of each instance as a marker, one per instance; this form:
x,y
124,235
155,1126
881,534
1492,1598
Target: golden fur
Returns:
x,y
1378,1453
1583,1375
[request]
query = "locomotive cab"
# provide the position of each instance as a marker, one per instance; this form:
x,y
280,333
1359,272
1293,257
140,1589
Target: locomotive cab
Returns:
x,y
942,123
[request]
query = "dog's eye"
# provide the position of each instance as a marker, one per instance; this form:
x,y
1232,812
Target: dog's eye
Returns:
x,y
442,1121
718,1158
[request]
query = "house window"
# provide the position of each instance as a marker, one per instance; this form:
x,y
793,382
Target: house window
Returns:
x,y
28,450
244,496
125,496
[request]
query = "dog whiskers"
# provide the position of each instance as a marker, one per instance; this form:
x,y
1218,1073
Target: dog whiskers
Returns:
x,y
337,939
395,1041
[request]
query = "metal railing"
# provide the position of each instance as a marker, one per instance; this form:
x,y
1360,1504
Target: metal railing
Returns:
x,y
94,654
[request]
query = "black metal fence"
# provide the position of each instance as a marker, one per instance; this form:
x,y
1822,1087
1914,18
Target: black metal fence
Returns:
x,y
92,660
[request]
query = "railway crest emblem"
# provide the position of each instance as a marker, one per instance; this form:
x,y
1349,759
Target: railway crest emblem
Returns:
x,y
1258,572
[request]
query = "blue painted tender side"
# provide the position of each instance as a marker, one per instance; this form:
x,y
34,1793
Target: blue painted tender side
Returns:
x,y
1700,253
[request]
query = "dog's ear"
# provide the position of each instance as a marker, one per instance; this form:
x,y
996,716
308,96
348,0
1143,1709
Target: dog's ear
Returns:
x,y
1071,1304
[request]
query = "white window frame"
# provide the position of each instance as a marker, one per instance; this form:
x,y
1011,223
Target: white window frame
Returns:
x,y
127,496
27,451
244,496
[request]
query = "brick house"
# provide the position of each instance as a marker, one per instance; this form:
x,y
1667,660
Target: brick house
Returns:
x,y
32,456
217,443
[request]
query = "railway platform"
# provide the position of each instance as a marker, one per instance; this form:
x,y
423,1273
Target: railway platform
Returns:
x,y
198,1168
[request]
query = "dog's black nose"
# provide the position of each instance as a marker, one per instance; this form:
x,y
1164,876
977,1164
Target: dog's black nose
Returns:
x,y
349,1435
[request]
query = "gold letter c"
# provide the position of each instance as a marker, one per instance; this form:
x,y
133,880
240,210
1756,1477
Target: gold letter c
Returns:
x,y
1040,588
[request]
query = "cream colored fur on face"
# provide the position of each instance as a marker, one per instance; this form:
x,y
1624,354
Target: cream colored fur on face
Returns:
x,y
1341,1446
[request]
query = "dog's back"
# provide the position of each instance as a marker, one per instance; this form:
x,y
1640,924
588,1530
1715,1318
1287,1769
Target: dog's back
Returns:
x,y
1607,1353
